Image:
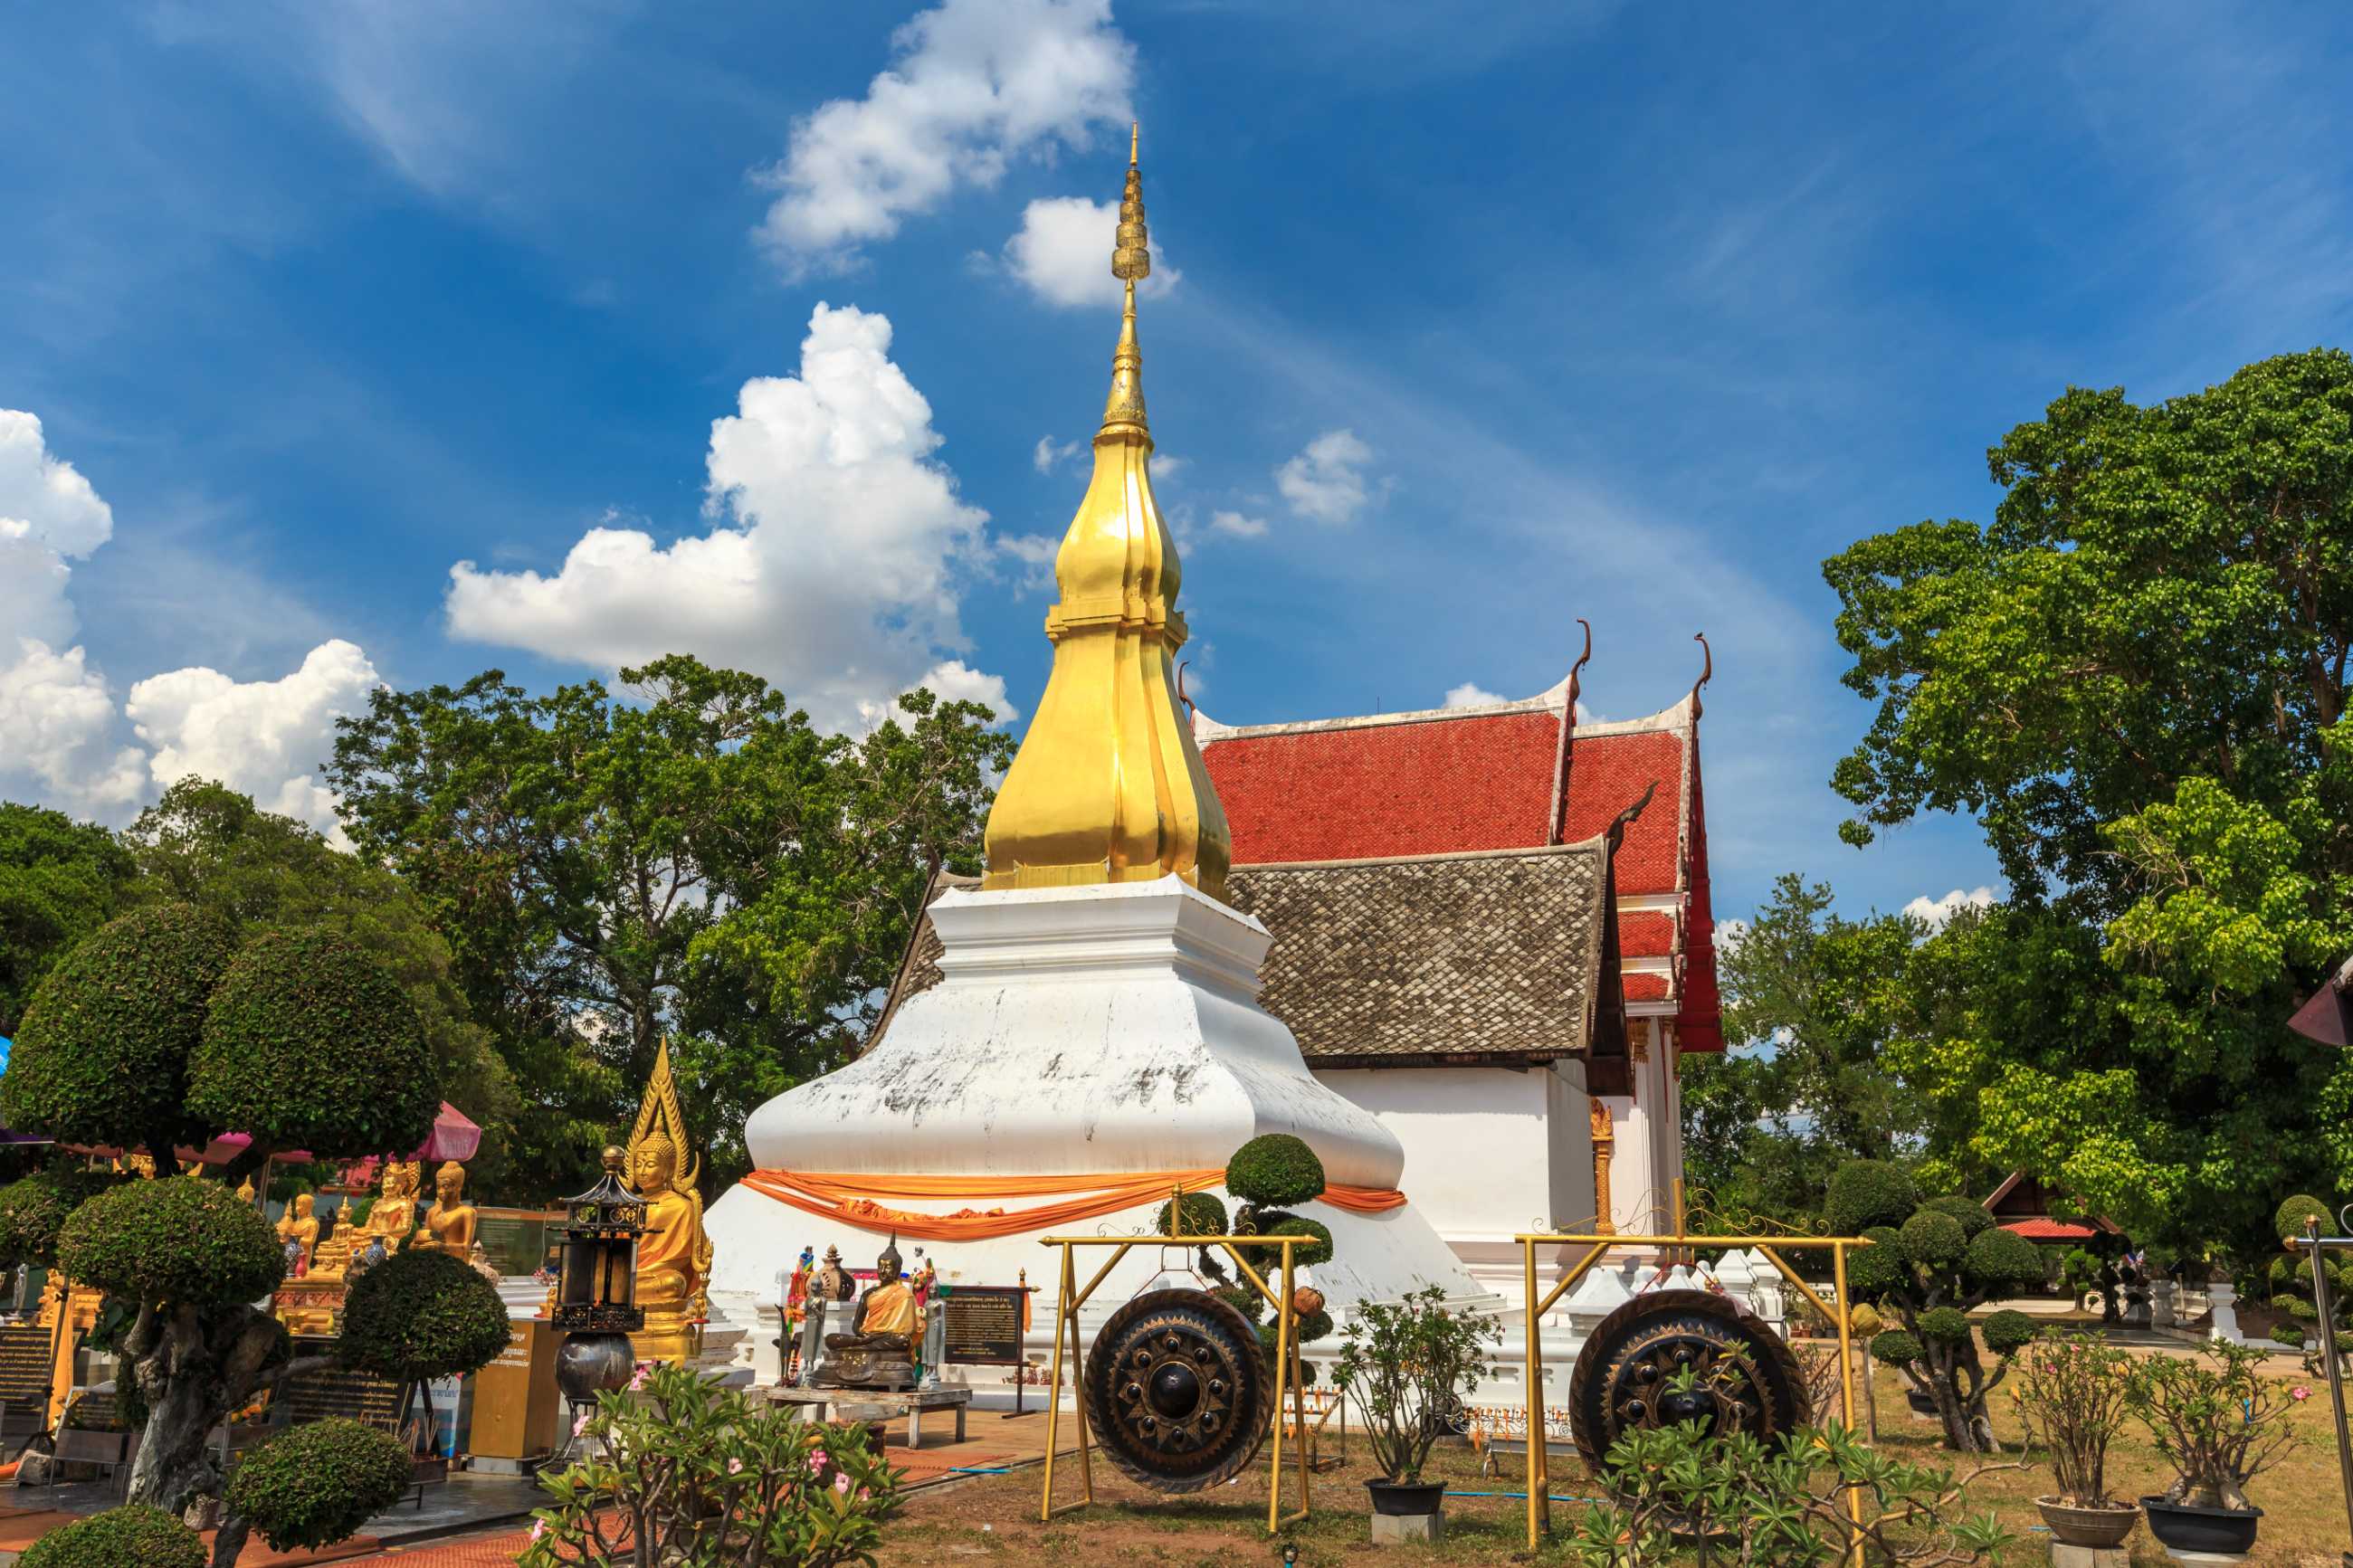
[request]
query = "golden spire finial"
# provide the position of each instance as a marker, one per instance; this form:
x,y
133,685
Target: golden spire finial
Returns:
x,y
1108,785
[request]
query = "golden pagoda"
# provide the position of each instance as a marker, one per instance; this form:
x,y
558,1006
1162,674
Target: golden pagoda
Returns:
x,y
1108,785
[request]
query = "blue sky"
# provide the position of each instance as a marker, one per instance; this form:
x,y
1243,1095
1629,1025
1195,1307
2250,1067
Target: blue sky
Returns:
x,y
1468,322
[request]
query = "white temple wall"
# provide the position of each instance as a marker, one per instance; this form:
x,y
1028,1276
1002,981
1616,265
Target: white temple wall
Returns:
x,y
1489,1152
1649,1150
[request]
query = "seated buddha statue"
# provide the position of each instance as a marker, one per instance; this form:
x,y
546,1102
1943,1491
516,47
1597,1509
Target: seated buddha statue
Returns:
x,y
300,1228
880,1352
390,1219
450,1223
670,1253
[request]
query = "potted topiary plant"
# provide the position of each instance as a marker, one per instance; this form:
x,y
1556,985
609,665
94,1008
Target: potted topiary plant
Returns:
x,y
1930,1263
2221,1425
2072,1394
417,1316
2290,1279
1404,1367
135,1536
1268,1176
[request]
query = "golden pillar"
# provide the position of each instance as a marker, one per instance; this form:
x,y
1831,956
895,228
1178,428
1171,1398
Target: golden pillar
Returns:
x,y
1108,785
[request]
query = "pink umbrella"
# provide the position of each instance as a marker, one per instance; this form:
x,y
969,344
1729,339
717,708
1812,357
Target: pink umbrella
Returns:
x,y
454,1137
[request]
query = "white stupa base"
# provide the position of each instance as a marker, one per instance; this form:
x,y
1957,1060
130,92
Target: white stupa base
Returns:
x,y
1105,1030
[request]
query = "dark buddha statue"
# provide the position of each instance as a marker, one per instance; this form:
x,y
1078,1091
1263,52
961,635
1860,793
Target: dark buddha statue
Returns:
x,y
880,1352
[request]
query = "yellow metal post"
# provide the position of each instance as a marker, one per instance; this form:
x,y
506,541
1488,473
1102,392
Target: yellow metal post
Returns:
x,y
1062,1310
1846,1393
1281,1369
1539,1469
1298,1377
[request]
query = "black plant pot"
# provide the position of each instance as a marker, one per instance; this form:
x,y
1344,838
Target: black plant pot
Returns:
x,y
2186,1527
1399,1498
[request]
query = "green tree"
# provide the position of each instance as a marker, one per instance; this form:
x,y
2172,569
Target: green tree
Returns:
x,y
209,847
139,1033
59,880
697,861
2135,679
1814,1004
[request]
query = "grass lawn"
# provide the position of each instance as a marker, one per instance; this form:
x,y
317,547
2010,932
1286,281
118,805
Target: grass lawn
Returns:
x,y
995,1517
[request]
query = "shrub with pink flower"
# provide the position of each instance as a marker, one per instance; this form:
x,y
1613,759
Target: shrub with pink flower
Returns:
x,y
698,1476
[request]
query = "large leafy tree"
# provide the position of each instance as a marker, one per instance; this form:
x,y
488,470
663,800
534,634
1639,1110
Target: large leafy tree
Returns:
x,y
1814,1002
2135,679
695,860
59,880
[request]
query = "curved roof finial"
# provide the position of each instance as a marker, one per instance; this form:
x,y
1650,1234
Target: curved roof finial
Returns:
x,y
1182,696
1558,829
1706,674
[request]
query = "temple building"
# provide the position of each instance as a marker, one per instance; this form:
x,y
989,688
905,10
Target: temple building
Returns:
x,y
1482,917
1491,930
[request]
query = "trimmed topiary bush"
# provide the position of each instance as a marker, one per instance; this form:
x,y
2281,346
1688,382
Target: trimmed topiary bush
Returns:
x,y
176,1239
422,1315
1204,1215
1926,1271
2287,1222
1972,1216
1242,1299
2008,1332
1934,1238
317,1484
1274,1169
132,1537
311,1041
1308,1256
104,1042
34,1210
1864,1193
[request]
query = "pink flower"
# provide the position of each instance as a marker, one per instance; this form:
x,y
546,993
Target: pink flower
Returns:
x,y
538,1528
2299,1394
861,1494
638,1379
841,1483
817,1462
735,1467
580,1426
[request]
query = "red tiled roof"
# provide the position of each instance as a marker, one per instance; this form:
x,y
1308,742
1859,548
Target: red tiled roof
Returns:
x,y
1452,782
2041,1227
1646,934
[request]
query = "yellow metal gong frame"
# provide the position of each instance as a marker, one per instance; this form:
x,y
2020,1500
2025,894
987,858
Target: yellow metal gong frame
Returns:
x,y
1597,1247
1287,1379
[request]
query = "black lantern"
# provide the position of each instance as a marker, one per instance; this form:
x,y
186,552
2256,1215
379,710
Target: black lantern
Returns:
x,y
595,1293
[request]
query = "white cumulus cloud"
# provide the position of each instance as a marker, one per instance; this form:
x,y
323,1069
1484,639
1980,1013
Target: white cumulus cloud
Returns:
x,y
1326,481
833,561
1050,454
1242,525
1063,254
1470,694
264,738
1938,912
973,85
61,734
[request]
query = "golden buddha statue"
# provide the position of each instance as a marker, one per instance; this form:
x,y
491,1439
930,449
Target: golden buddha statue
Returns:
x,y
674,1255
390,1220
450,1223
301,1227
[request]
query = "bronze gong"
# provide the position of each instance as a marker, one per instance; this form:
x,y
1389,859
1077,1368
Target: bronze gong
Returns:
x,y
1745,1378
1178,1389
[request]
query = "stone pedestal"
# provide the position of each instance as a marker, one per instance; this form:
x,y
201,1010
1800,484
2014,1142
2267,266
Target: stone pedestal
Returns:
x,y
2064,1556
2162,1294
1409,1529
1099,1030
2223,1301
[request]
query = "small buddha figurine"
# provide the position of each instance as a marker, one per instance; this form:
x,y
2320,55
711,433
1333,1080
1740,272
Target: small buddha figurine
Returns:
x,y
299,1230
880,1355
390,1220
450,1223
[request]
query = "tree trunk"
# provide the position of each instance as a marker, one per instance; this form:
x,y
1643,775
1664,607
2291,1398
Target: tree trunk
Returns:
x,y
173,1467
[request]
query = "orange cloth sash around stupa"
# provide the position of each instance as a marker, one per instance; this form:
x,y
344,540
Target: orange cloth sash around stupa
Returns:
x,y
855,1197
